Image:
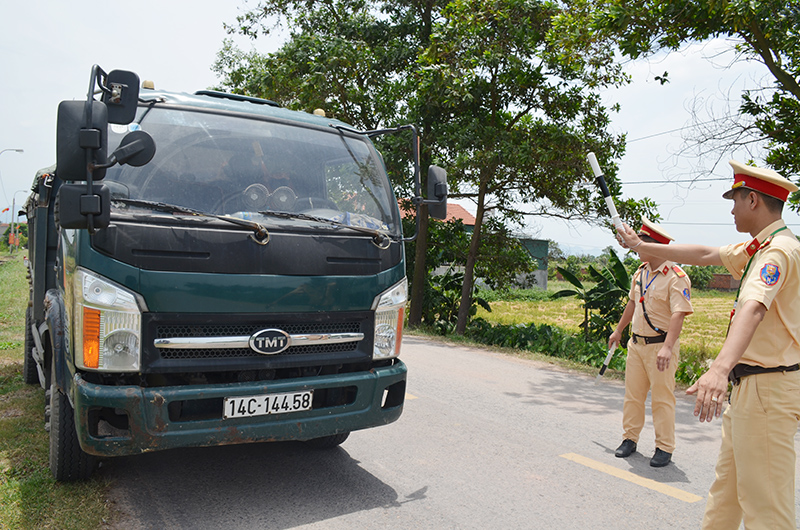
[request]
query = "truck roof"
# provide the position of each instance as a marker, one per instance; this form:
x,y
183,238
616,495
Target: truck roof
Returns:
x,y
222,101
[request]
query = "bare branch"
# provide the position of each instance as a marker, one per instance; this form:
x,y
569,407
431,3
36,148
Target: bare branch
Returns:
x,y
761,44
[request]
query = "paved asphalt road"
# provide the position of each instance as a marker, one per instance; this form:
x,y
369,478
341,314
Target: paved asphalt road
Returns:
x,y
486,441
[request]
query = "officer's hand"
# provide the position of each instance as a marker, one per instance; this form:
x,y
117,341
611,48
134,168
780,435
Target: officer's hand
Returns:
x,y
614,339
627,237
662,360
710,390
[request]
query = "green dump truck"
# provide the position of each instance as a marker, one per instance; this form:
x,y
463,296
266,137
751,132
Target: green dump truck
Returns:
x,y
210,269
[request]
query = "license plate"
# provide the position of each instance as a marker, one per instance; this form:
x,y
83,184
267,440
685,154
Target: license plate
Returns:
x,y
240,407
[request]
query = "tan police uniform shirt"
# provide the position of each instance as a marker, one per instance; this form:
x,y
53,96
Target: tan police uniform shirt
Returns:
x,y
773,279
669,292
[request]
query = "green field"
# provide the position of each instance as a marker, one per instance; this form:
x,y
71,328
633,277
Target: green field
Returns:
x,y
703,331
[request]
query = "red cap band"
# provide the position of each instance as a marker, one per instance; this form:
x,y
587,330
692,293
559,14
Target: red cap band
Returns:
x,y
658,237
757,184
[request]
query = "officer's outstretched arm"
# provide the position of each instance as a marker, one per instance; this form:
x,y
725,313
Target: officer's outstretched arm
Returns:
x,y
680,253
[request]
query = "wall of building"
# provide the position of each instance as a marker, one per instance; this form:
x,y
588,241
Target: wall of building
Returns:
x,y
723,282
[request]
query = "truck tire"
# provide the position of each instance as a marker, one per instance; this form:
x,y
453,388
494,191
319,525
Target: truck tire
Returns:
x,y
68,462
328,442
29,372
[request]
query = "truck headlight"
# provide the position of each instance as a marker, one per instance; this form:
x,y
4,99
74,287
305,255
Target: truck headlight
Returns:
x,y
389,312
107,325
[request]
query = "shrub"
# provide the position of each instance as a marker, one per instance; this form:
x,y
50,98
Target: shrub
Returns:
x,y
442,300
555,342
542,338
700,276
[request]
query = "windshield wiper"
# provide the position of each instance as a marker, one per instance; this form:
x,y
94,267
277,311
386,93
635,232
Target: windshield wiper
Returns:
x,y
260,233
382,240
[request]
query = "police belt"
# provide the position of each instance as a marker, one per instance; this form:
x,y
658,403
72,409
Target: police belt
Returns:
x,y
649,340
743,370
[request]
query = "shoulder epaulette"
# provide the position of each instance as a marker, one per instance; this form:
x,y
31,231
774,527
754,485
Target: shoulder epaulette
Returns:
x,y
678,271
752,248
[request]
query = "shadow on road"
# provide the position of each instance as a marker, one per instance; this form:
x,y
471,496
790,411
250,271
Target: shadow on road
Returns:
x,y
570,393
582,396
269,485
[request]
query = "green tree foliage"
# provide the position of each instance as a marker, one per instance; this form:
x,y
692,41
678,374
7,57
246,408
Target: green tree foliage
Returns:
x,y
494,103
357,59
699,276
702,276
519,122
443,300
501,259
758,30
22,232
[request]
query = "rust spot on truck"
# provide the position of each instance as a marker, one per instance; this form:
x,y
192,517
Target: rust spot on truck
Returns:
x,y
159,409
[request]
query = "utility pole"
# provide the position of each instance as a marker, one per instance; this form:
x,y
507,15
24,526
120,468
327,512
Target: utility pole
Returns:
x,y
13,243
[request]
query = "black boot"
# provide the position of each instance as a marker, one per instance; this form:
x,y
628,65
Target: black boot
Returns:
x,y
660,458
626,449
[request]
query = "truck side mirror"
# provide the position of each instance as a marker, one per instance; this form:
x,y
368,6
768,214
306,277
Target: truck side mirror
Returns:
x,y
122,96
74,206
73,138
437,192
136,149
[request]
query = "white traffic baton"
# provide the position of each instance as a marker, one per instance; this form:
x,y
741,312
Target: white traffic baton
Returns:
x,y
603,368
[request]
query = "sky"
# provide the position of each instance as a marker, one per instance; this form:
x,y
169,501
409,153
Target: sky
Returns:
x,y
48,47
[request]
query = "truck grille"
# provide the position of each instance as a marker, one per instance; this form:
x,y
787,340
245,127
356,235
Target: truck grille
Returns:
x,y
232,330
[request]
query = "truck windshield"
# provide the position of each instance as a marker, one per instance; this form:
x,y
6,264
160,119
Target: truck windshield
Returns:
x,y
235,166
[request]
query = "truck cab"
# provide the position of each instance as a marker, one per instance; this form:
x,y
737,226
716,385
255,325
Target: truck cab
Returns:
x,y
212,269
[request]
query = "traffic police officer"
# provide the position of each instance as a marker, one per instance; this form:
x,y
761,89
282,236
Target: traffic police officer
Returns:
x,y
659,300
755,473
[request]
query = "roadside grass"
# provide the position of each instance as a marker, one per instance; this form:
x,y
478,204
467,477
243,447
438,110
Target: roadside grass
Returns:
x,y
29,496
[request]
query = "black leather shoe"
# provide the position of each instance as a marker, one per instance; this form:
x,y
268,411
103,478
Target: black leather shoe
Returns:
x,y
661,458
626,449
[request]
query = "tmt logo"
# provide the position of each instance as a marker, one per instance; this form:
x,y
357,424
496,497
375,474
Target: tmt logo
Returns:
x,y
270,341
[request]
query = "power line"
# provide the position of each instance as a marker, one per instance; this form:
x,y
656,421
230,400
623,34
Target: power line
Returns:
x,y
678,129
708,224
676,181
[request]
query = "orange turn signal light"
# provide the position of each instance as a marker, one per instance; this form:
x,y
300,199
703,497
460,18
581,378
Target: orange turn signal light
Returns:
x,y
91,337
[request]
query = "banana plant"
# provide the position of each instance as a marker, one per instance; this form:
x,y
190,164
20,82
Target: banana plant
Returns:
x,y
608,296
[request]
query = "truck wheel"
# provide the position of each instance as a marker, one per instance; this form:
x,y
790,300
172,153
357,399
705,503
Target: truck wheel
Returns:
x,y
29,372
68,462
328,442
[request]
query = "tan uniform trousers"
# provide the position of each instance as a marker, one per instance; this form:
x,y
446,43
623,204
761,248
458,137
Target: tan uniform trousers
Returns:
x,y
756,466
642,375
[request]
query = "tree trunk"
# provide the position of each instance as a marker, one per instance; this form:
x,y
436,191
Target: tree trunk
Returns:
x,y
420,279
469,269
420,271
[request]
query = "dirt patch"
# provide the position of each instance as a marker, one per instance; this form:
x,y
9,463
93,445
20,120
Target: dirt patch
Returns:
x,y
11,413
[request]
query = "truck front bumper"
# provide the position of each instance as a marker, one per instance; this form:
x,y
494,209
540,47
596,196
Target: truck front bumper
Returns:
x,y
124,420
